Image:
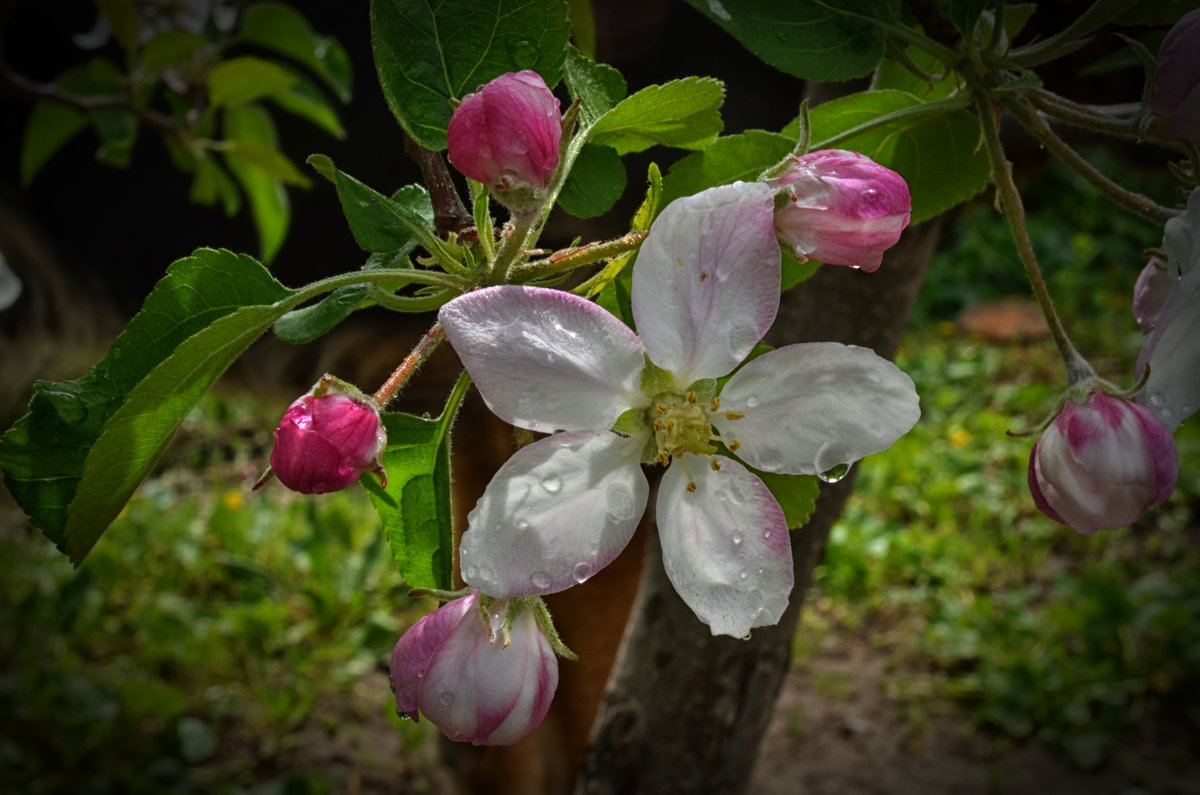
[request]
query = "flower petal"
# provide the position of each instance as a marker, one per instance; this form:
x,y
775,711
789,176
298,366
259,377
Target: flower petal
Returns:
x,y
545,359
557,512
706,282
416,647
1172,391
812,407
479,690
725,545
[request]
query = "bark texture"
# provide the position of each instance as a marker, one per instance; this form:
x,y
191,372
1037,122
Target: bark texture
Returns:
x,y
685,711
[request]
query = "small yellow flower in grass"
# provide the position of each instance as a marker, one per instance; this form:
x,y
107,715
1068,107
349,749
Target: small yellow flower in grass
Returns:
x,y
233,499
959,437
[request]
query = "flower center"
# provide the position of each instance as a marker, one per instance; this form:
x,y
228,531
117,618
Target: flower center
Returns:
x,y
681,425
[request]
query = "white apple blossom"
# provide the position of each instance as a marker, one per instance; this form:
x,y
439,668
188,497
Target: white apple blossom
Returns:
x,y
705,291
1172,391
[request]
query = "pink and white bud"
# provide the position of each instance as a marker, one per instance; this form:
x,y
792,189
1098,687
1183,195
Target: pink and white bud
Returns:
x,y
507,134
475,683
1150,293
326,440
843,208
1175,100
1102,464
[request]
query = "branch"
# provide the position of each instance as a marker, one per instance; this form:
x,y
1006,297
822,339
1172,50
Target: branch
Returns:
x,y
25,88
1134,202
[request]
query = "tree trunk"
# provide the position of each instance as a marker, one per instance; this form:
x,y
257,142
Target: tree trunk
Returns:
x,y
685,711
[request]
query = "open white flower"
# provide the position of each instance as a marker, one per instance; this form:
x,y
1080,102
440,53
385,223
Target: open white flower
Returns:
x,y
705,290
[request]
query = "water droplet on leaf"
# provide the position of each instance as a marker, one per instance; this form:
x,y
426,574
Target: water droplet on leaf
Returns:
x,y
524,53
67,406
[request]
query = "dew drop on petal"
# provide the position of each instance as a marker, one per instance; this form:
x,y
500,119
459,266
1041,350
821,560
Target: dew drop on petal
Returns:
x,y
752,401
743,574
737,540
447,698
522,525
540,579
552,483
834,474
582,571
620,502
486,575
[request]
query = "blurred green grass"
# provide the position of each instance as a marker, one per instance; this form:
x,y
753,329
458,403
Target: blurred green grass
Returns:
x,y
213,630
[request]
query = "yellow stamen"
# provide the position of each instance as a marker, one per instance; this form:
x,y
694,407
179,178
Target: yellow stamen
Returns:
x,y
734,415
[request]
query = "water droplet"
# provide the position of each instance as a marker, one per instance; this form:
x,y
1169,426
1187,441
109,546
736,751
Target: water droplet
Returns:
x,y
524,53
1156,399
522,525
834,474
446,698
470,573
66,405
403,715
620,502
737,539
746,636
552,483
752,401
486,575
766,533
582,571
540,580
743,574
781,36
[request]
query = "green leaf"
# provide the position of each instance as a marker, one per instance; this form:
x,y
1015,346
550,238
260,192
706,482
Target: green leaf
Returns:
x,y
266,159
415,506
730,158
595,183
212,183
583,26
308,323
683,114
794,272
796,494
50,127
283,29
118,130
246,79
597,86
305,100
73,460
812,39
377,222
939,156
428,54
251,125
170,48
616,298
122,16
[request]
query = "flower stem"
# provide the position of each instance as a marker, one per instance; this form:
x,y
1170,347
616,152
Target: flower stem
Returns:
x,y
1134,202
511,247
399,377
571,258
1010,199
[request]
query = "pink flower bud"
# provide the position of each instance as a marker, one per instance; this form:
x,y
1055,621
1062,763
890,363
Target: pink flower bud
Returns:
x,y
1150,293
507,133
1101,464
324,442
474,683
1175,101
843,208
